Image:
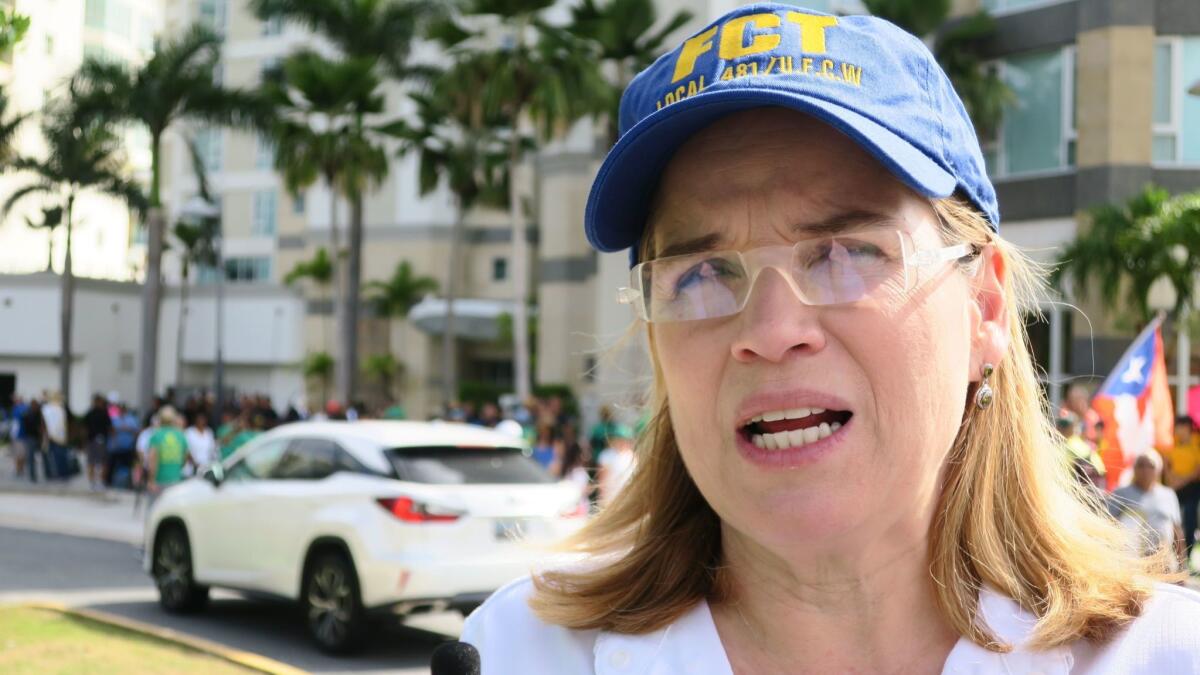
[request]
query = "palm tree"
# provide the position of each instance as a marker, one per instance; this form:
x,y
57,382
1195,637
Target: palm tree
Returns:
x,y
83,155
622,32
319,366
1129,247
319,270
541,74
319,133
395,296
382,368
374,31
176,83
9,125
197,246
12,28
955,45
457,142
52,218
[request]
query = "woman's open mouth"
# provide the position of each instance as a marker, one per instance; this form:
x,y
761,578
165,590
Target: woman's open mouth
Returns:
x,y
794,428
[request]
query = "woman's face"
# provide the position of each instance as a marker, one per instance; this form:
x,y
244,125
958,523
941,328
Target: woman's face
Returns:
x,y
896,371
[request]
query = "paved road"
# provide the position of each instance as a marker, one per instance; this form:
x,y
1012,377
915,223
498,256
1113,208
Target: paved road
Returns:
x,y
106,575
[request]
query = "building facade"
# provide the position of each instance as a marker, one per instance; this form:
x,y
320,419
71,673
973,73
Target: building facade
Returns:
x,y
262,345
1101,109
61,34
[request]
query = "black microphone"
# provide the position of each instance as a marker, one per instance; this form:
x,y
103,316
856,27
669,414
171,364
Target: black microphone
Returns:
x,y
455,658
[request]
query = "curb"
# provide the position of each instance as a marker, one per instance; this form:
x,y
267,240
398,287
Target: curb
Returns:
x,y
55,491
238,657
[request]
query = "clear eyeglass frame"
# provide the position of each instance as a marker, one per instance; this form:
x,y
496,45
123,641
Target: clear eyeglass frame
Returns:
x,y
912,259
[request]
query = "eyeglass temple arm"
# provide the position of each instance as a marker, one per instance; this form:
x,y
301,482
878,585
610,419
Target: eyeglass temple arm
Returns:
x,y
941,255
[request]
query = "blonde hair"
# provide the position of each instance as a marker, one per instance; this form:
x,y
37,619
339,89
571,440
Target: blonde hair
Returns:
x,y
1010,514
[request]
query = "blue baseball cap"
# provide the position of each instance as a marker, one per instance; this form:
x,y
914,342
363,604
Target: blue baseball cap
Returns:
x,y
862,75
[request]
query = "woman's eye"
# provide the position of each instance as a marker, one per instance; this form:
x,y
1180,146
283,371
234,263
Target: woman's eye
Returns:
x,y
708,270
843,251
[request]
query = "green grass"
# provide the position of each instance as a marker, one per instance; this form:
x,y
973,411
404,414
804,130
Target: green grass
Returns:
x,y
46,642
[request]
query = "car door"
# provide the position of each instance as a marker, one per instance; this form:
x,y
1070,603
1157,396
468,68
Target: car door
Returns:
x,y
298,488
228,526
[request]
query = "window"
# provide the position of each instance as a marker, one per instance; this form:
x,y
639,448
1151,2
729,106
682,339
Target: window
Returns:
x,y
271,70
1004,5
499,269
314,459
259,462
208,146
263,223
298,204
272,26
1176,113
265,153
120,18
250,270
95,12
1038,130
466,466
212,13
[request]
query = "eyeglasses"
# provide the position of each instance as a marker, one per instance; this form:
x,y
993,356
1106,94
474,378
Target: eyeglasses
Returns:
x,y
865,264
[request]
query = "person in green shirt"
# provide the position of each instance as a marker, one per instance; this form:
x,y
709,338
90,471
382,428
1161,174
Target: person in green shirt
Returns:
x,y
168,452
243,430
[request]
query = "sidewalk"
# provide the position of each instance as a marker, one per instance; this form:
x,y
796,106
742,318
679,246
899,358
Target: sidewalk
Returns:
x,y
70,507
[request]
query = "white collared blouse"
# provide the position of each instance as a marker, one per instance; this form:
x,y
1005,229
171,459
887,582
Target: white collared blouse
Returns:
x,y
1164,640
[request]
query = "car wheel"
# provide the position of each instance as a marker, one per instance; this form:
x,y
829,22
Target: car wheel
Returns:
x,y
332,605
178,591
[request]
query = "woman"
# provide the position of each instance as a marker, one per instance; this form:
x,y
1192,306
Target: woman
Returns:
x,y
849,468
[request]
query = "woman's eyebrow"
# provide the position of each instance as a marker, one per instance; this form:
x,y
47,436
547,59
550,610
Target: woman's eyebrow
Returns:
x,y
707,242
846,221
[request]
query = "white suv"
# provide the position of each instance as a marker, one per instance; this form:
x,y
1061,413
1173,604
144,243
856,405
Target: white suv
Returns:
x,y
355,518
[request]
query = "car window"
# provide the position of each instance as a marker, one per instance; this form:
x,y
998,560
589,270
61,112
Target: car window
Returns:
x,y
314,459
258,462
466,466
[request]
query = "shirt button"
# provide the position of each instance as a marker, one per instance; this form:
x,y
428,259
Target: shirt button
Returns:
x,y
619,659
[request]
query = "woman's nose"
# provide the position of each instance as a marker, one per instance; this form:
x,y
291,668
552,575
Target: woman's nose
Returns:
x,y
775,322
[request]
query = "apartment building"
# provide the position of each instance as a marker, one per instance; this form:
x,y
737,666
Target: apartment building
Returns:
x,y
1101,109
61,34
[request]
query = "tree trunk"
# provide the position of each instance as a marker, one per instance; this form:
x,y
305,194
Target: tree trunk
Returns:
x,y
50,250
449,341
183,293
353,281
152,287
67,307
336,280
520,250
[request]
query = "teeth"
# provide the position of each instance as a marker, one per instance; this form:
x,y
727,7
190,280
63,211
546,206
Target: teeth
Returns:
x,y
811,434
817,411
794,438
773,416
797,413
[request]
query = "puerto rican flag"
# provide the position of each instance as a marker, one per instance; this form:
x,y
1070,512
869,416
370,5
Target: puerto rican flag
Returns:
x,y
1135,404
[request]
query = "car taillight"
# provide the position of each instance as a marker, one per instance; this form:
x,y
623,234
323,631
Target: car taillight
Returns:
x,y
411,511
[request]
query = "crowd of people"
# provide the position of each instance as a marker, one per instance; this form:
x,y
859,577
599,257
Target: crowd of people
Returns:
x,y
119,448
1153,492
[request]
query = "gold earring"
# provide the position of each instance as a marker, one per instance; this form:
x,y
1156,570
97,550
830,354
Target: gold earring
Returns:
x,y
984,396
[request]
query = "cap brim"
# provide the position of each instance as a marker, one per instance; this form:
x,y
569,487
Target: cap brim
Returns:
x,y
619,199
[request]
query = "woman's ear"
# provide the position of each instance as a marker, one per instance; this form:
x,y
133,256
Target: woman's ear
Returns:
x,y
989,312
